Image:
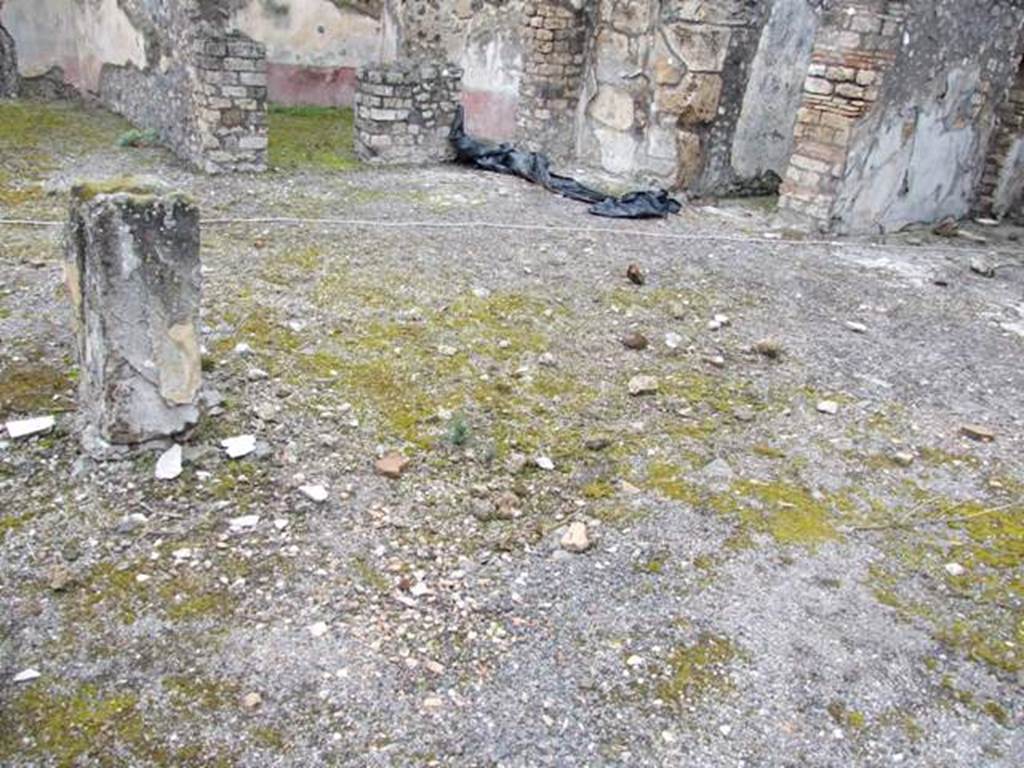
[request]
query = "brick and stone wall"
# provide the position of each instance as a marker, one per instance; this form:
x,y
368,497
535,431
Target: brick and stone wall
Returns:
x,y
231,102
898,111
404,112
855,48
484,37
555,36
1001,191
201,88
698,95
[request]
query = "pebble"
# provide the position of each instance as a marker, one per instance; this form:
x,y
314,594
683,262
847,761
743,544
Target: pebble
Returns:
x,y
769,348
245,521
391,465
831,407
315,493
643,385
903,458
955,569
978,432
982,266
243,349
252,700
433,702
635,661
743,413
673,340
598,443
239,446
576,538
281,523
856,327
635,274
257,374
547,360
446,350
544,462
515,463
168,466
27,675
718,322
28,427
318,629
131,522
635,341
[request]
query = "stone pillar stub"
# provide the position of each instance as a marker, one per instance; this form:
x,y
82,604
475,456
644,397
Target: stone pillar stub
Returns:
x,y
8,65
133,276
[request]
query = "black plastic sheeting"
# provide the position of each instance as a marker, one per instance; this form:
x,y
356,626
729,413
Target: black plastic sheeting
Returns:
x,y
535,167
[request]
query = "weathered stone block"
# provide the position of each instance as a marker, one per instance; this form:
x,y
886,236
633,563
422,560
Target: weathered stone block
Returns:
x,y
695,100
132,274
612,107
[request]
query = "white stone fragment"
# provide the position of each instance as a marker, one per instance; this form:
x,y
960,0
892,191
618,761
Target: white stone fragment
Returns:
x,y
168,466
856,327
318,629
245,521
239,446
831,407
576,538
673,340
955,569
27,675
315,493
29,427
544,462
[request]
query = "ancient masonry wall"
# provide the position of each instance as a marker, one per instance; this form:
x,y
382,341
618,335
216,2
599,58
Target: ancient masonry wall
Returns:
x,y
555,35
1001,192
698,95
855,47
484,37
212,106
404,112
899,110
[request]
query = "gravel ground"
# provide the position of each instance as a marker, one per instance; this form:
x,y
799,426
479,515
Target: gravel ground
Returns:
x,y
764,582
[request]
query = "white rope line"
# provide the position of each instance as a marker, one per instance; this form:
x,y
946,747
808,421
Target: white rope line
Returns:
x,y
554,229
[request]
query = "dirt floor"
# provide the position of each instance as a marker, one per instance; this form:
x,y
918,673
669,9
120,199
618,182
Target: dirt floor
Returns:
x,y
767,583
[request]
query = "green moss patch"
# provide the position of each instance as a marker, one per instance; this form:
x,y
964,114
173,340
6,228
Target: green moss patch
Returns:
x,y
31,387
693,671
318,138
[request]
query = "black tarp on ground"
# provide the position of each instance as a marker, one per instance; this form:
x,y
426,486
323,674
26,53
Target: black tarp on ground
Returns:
x,y
535,167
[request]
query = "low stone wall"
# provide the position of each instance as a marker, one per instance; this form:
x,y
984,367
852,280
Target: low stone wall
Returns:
x,y
213,101
404,112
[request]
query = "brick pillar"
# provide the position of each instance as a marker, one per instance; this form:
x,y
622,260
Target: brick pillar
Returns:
x,y
231,104
132,274
405,110
1002,184
855,47
554,43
